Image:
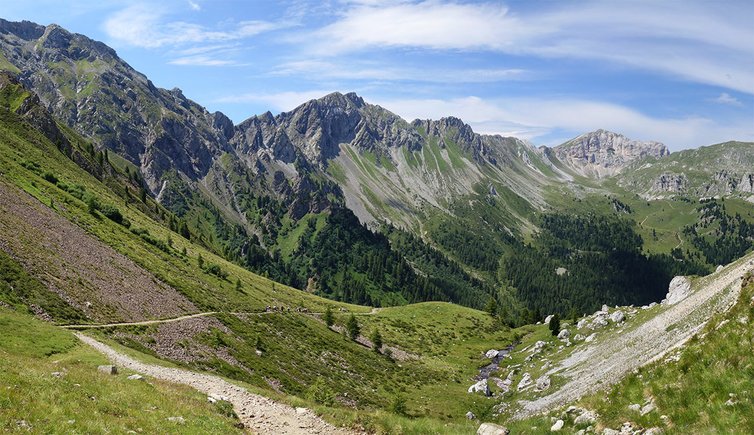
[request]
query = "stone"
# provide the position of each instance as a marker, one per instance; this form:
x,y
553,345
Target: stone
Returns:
x,y
57,374
578,337
646,409
108,369
525,382
653,431
587,417
562,335
470,415
719,268
136,377
617,316
481,387
179,420
538,346
635,407
582,323
557,426
678,290
301,411
492,429
543,383
211,399
548,318
492,353
605,308
590,338
608,431
258,352
599,321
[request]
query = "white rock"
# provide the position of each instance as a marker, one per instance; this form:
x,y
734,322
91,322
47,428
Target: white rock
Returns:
x,y
557,426
564,334
136,377
617,316
590,338
492,353
538,346
108,369
578,337
608,431
719,268
582,323
179,420
605,308
301,411
492,429
653,431
543,383
587,417
211,399
470,415
481,387
743,320
548,318
635,407
678,290
599,321
646,409
525,382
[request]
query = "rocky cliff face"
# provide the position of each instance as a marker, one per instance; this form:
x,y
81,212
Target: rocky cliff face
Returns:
x,y
603,153
85,84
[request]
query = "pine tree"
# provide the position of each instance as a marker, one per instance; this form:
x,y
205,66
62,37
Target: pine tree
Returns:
x,y
328,317
555,324
376,340
352,327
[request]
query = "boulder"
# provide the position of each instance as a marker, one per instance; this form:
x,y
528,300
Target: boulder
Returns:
x,y
590,338
557,426
179,420
582,323
578,337
678,290
599,321
608,431
108,369
492,353
587,417
605,308
635,407
564,334
719,268
653,431
538,346
481,387
492,429
617,316
543,383
646,409
470,415
525,382
136,377
548,318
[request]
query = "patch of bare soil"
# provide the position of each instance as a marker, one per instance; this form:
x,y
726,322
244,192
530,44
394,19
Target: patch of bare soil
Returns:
x,y
85,272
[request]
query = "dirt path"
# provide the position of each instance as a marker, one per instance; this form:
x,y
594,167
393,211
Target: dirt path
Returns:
x,y
606,362
145,322
260,414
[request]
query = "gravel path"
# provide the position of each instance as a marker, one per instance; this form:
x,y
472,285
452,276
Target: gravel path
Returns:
x,y
260,414
606,362
145,322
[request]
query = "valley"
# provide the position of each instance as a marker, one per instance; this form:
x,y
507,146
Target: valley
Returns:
x,y
338,269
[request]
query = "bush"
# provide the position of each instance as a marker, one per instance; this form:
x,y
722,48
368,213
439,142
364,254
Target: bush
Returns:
x,y
216,270
328,317
352,327
111,212
49,176
376,340
398,405
320,393
555,324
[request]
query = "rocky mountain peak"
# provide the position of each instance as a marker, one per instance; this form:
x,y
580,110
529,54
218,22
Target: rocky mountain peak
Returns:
x,y
604,153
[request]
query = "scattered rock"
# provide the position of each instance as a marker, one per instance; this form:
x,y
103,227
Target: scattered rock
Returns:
x,y
587,417
635,407
108,369
301,411
743,320
538,346
548,318
136,377
560,271
557,426
470,415
653,431
492,429
258,352
543,383
211,399
646,409
23,424
605,308
582,323
599,321
526,381
617,316
590,338
678,290
578,337
492,353
730,402
608,431
481,387
564,334
627,429
719,268
179,420
57,374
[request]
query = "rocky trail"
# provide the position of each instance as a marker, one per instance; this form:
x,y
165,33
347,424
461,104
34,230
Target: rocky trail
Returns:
x,y
604,363
258,413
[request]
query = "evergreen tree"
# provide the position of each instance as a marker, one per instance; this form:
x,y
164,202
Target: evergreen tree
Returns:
x,y
328,317
555,324
352,327
376,340
200,261
491,307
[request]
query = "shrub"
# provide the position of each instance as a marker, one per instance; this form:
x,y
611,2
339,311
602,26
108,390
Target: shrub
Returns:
x,y
49,176
398,405
376,340
328,317
555,324
113,213
320,393
352,327
216,270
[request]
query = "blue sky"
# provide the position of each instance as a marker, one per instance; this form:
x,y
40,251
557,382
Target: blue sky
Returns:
x,y
678,72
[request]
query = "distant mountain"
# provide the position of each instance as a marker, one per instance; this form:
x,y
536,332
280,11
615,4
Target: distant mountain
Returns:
x,y
603,153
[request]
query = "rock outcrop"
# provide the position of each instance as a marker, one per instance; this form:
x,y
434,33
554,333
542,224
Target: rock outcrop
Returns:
x,y
678,290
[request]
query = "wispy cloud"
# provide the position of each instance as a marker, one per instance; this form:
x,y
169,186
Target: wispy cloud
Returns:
x,y
144,26
194,5
699,42
726,98
280,101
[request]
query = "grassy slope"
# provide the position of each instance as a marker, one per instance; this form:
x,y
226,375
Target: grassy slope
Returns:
x,y
82,400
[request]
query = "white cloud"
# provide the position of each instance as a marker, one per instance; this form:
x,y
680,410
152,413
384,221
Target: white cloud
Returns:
x,y
726,98
280,101
194,5
143,26
533,118
201,60
701,42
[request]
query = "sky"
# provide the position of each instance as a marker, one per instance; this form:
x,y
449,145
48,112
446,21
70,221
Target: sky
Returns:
x,y
677,72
